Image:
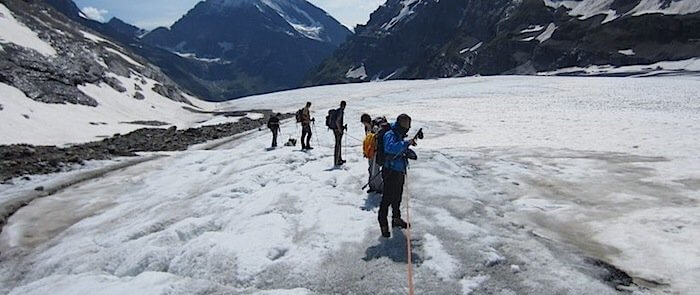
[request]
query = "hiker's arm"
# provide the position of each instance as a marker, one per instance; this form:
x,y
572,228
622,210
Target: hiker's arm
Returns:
x,y
393,145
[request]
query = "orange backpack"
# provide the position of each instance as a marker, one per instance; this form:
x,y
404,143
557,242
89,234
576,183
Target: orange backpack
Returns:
x,y
369,145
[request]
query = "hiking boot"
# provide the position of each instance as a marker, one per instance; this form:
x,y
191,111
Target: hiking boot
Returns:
x,y
385,231
309,148
398,222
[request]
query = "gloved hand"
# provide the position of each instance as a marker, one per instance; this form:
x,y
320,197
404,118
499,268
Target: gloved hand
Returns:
x,y
313,119
345,127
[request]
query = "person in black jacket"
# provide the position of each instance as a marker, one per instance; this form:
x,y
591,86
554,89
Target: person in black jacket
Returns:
x,y
274,124
338,131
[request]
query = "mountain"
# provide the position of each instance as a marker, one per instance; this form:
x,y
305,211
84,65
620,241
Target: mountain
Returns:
x,y
58,76
242,47
414,39
123,28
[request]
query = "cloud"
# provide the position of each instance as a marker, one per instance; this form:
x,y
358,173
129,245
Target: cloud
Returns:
x,y
95,13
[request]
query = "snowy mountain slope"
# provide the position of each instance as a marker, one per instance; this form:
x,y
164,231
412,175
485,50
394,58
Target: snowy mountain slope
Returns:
x,y
243,47
428,39
615,8
62,83
519,180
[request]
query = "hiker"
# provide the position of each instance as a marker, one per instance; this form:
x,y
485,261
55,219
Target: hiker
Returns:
x,y
373,129
394,172
274,124
366,120
336,123
304,117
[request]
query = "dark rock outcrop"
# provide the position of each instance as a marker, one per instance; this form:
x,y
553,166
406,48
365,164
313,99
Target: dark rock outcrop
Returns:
x,y
82,58
449,38
18,160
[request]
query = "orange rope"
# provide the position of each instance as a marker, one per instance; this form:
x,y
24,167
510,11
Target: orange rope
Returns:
x,y
408,243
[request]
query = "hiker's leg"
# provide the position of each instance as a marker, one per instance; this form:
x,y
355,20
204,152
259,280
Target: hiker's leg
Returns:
x,y
384,207
274,138
336,151
305,130
399,179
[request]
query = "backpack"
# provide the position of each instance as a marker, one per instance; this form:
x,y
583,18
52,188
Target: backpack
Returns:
x,y
299,114
331,119
369,145
381,156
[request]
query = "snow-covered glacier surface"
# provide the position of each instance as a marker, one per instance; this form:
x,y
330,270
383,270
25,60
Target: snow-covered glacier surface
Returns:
x,y
524,185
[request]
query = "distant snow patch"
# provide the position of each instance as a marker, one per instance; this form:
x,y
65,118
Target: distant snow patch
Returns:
x,y
307,26
586,8
532,28
528,39
674,7
473,48
407,10
311,32
124,56
547,33
692,64
93,37
193,56
357,73
628,52
12,31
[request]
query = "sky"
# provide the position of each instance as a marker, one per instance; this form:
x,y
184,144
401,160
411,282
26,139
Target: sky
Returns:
x,y
149,14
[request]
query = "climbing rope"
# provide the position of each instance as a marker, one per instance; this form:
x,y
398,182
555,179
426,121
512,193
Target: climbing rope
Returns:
x,y
408,241
355,138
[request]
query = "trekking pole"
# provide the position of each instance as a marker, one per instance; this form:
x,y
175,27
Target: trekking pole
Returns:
x,y
318,143
372,179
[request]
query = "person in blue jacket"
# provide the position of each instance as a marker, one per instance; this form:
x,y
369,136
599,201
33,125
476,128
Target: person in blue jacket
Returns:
x,y
394,173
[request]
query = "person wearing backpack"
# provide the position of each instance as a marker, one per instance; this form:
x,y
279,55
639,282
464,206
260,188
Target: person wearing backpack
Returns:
x,y
274,125
369,148
304,117
394,172
335,123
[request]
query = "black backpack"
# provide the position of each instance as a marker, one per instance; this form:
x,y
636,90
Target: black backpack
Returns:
x,y
381,156
331,119
299,114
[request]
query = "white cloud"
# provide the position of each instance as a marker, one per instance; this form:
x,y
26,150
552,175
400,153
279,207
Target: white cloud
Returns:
x,y
95,13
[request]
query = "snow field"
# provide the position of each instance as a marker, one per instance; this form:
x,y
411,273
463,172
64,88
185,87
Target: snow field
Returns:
x,y
518,181
59,124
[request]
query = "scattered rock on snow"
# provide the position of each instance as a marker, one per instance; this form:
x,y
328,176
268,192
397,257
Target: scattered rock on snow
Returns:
x,y
18,160
139,96
515,268
146,123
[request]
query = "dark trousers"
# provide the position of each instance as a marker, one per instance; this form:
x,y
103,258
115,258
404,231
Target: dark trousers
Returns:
x,y
274,137
337,156
393,190
305,135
